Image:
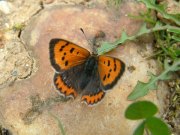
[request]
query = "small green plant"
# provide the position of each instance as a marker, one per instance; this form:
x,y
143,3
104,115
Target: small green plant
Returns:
x,y
141,89
18,26
167,48
145,111
106,46
166,32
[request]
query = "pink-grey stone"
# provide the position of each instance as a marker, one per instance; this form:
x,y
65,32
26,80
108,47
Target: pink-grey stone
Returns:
x,y
25,106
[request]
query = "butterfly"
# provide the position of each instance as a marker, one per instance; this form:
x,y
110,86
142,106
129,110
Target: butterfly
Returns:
x,y
78,71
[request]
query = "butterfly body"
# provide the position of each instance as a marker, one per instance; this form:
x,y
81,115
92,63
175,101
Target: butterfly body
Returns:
x,y
78,71
90,68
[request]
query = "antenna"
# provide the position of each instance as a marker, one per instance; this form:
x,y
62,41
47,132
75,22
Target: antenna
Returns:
x,y
85,36
89,42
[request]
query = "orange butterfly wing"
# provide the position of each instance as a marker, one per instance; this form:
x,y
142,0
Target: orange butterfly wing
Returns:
x,y
110,70
62,87
64,54
93,99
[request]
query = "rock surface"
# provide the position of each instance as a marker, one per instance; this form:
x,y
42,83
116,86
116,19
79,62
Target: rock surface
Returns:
x,y
27,104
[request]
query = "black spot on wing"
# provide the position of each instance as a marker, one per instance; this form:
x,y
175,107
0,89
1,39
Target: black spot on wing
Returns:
x,y
63,58
108,75
72,50
63,46
109,86
104,78
108,62
114,67
66,63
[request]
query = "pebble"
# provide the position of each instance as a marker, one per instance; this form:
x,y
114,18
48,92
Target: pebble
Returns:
x,y
14,73
5,7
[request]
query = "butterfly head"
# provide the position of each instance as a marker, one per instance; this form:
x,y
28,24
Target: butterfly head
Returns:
x,y
94,42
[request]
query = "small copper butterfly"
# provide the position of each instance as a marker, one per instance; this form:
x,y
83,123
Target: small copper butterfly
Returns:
x,y
78,71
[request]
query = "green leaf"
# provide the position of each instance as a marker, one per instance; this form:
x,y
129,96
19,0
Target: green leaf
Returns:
x,y
106,47
140,110
175,66
140,129
166,65
143,29
176,38
123,37
174,30
141,89
177,51
157,127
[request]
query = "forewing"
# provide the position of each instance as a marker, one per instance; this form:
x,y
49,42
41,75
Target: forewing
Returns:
x,y
110,70
64,54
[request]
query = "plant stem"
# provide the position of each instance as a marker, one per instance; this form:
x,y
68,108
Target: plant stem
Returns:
x,y
113,45
60,125
147,132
